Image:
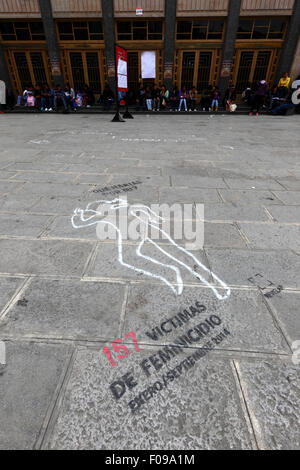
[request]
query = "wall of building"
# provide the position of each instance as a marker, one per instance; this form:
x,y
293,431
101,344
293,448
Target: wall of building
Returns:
x,y
76,8
187,8
295,71
265,7
127,8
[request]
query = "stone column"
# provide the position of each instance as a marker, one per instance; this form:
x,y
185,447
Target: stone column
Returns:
x,y
52,42
109,40
169,44
290,44
232,24
4,74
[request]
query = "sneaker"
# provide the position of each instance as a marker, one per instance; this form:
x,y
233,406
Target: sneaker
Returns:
x,y
50,109
251,114
190,110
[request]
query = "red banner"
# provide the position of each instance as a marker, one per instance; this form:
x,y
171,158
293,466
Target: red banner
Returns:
x,y
121,58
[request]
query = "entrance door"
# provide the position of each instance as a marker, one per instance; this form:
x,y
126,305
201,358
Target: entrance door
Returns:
x,y
133,69
253,66
197,69
30,68
86,67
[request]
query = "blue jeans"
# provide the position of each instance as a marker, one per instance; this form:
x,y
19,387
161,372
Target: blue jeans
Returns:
x,y
63,99
47,102
182,102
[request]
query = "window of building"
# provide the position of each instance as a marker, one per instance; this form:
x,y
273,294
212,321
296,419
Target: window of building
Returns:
x,y
200,29
22,31
139,30
262,28
80,30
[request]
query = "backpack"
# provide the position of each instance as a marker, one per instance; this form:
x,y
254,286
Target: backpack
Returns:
x,y
30,100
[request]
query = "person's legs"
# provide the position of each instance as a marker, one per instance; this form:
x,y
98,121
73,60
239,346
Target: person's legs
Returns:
x,y
63,98
180,104
185,104
149,104
259,103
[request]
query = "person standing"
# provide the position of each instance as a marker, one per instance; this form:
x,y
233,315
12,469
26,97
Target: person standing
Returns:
x,y
182,98
216,99
259,96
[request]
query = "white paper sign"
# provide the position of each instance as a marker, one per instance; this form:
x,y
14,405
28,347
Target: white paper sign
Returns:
x,y
149,64
139,12
122,67
2,92
122,81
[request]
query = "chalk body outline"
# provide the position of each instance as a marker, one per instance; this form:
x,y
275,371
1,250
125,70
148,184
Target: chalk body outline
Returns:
x,y
120,203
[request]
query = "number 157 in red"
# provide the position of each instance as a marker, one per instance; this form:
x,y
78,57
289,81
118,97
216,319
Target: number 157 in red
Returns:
x,y
118,347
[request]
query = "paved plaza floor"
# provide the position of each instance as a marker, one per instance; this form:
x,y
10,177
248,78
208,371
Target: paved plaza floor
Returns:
x,y
65,297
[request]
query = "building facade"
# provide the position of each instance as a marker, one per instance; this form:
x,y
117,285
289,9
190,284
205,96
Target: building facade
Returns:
x,y
197,42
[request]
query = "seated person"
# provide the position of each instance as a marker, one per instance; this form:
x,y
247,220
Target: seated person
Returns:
x,y
88,96
283,85
47,98
285,106
59,97
107,97
70,97
38,96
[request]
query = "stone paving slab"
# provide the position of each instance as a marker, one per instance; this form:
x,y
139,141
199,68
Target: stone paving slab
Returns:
x,y
291,198
187,195
286,308
285,214
263,198
53,189
233,213
272,236
238,266
44,177
22,224
273,391
16,203
59,205
36,166
198,182
71,309
27,389
9,186
292,184
8,287
91,418
240,183
54,257
244,314
222,235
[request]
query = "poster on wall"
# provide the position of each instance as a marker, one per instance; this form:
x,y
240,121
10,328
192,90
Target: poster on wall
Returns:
x,y
149,64
121,58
